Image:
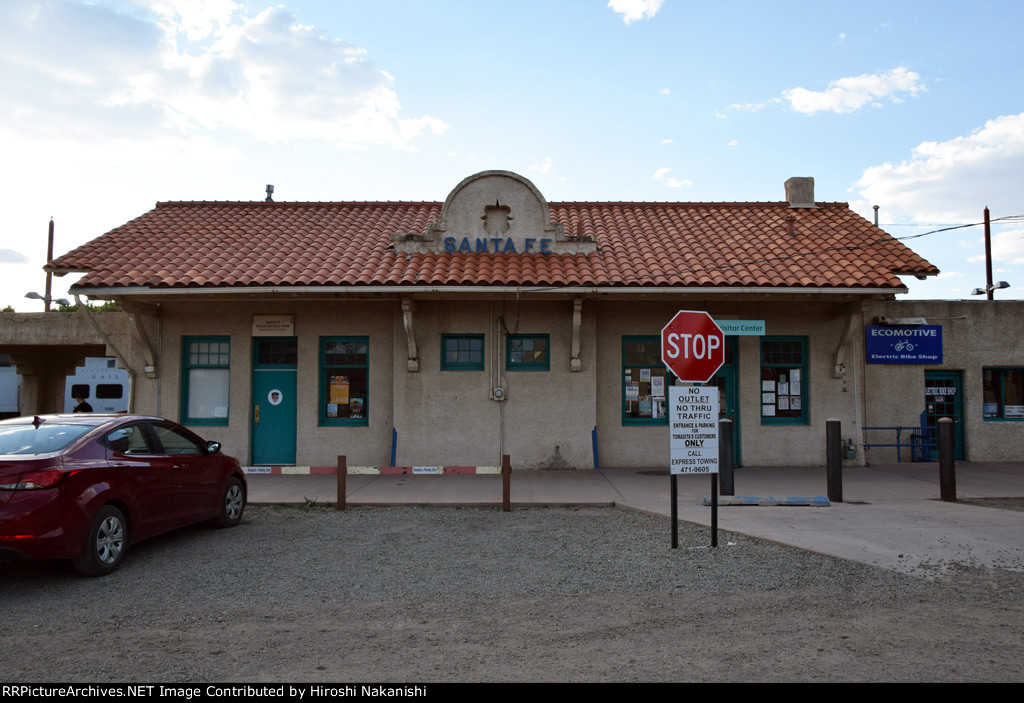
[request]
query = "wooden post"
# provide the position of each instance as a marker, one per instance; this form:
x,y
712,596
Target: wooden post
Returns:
x,y
342,476
725,459
506,490
947,460
834,460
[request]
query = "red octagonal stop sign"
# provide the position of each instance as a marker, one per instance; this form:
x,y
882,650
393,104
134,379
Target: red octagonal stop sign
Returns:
x,y
693,346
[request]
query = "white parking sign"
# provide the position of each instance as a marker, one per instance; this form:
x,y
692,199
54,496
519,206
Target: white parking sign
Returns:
x,y
693,429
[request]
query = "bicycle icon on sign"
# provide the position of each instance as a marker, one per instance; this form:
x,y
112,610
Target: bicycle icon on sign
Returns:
x,y
904,345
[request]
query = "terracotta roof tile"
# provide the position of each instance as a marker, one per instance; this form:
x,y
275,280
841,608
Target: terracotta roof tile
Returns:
x,y
217,244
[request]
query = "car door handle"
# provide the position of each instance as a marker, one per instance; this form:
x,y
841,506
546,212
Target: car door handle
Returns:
x,y
256,415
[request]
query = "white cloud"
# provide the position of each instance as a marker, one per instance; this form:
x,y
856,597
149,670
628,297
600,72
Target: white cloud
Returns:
x,y
952,181
667,141
951,274
853,93
733,142
10,256
665,91
1007,247
846,94
632,10
189,66
544,167
751,107
661,175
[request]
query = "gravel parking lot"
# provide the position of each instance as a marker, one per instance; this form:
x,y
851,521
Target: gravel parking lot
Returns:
x,y
442,594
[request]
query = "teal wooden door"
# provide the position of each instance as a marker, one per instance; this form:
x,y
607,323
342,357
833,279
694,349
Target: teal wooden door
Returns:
x,y
274,404
944,397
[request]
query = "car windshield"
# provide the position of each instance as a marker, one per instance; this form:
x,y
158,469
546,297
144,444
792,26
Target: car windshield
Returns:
x,y
29,439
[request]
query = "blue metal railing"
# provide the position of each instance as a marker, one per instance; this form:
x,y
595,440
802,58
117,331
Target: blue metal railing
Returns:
x,y
922,442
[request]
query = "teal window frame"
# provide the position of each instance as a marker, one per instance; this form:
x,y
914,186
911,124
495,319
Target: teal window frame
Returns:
x,y
527,343
779,362
630,366
462,340
339,369
188,365
275,352
989,386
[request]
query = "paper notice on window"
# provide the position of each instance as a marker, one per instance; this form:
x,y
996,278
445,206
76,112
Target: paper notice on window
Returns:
x,y
768,410
658,386
339,390
768,386
768,398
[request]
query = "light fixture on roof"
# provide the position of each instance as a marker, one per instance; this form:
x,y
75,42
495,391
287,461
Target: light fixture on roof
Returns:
x,y
989,289
270,193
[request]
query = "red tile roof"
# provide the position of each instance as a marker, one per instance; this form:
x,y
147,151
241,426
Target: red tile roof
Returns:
x,y
220,244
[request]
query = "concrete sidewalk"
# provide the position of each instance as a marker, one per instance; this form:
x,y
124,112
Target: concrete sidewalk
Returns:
x,y
890,516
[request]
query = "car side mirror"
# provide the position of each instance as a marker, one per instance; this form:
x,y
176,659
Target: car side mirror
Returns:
x,y
212,447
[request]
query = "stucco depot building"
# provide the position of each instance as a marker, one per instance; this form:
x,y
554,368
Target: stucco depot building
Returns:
x,y
448,334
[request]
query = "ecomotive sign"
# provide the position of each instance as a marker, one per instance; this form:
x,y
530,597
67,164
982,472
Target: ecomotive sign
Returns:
x,y
903,344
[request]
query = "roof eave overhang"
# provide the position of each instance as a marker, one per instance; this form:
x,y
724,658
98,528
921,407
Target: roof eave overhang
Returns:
x,y
125,291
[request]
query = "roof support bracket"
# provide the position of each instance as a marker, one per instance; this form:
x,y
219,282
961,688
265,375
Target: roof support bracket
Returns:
x,y
575,364
408,310
137,311
839,355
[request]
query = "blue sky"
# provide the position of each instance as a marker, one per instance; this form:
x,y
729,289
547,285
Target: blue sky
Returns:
x,y
108,106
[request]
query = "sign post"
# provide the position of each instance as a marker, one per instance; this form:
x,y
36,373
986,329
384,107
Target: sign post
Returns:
x,y
693,348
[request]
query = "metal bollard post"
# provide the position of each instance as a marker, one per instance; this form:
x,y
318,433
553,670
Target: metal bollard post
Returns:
x,y
834,460
342,476
947,461
725,458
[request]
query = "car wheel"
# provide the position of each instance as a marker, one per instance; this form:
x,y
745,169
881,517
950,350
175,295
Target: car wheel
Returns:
x,y
233,504
107,543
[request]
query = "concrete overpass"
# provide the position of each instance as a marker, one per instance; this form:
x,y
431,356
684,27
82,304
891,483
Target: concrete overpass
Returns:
x,y
46,347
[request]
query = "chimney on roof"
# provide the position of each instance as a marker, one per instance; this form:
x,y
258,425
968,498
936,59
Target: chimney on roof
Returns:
x,y
800,192
270,193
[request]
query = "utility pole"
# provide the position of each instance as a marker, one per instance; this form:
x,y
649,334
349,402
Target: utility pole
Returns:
x,y
49,276
990,291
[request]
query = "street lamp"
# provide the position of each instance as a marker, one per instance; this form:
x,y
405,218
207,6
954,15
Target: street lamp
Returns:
x,y
987,290
47,300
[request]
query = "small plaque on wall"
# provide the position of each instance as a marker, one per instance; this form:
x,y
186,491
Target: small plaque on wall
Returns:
x,y
273,325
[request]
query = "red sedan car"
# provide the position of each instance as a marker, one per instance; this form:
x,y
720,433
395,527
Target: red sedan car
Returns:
x,y
84,487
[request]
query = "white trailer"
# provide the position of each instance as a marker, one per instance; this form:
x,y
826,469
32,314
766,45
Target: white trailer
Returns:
x,y
104,386
10,390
